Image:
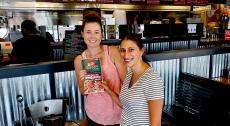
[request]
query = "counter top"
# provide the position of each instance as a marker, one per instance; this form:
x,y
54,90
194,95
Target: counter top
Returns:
x,y
154,39
213,41
218,83
27,69
222,80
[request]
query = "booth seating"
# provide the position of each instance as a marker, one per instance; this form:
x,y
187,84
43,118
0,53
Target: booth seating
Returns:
x,y
201,101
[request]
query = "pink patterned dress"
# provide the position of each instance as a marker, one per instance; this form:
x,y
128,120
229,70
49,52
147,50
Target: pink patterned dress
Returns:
x,y
100,107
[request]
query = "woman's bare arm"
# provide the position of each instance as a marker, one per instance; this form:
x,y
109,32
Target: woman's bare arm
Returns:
x,y
114,96
119,62
78,69
155,112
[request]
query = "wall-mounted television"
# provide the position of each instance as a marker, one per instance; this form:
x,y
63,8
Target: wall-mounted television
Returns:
x,y
156,30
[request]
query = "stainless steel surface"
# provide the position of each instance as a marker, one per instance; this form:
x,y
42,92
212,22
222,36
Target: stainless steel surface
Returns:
x,y
219,63
66,13
171,45
66,87
55,22
169,72
46,108
50,13
33,5
32,89
196,65
194,44
200,65
36,88
45,18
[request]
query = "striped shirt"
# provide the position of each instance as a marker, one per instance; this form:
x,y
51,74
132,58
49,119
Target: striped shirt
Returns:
x,y
134,100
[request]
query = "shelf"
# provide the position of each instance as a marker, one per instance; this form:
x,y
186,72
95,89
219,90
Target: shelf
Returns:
x,y
80,6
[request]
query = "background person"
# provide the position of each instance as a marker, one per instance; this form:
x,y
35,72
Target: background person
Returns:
x,y
142,92
32,47
100,108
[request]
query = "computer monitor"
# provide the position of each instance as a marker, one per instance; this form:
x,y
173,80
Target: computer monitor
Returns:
x,y
179,29
123,30
156,30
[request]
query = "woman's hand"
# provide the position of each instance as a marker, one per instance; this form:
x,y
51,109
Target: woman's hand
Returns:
x,y
82,77
106,87
114,96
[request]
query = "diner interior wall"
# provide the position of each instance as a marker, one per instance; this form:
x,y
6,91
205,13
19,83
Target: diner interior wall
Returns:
x,y
53,18
145,17
46,18
50,18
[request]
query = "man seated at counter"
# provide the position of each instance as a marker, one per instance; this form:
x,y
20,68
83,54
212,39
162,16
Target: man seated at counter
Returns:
x,y
32,47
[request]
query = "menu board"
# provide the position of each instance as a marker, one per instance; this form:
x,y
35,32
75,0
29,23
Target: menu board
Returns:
x,y
137,1
179,2
191,2
73,44
124,1
166,1
153,1
202,2
174,2
47,0
107,1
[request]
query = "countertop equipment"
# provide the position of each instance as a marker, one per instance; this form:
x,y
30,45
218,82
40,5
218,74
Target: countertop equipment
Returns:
x,y
6,47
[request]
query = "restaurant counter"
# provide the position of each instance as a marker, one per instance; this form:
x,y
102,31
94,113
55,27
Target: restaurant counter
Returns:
x,y
37,82
57,79
213,42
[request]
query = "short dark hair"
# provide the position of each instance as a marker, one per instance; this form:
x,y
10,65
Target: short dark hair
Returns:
x,y
92,12
30,26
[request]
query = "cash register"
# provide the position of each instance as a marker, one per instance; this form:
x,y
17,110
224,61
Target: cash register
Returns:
x,y
6,47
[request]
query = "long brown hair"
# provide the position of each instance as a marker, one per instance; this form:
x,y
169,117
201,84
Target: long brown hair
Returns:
x,y
138,41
